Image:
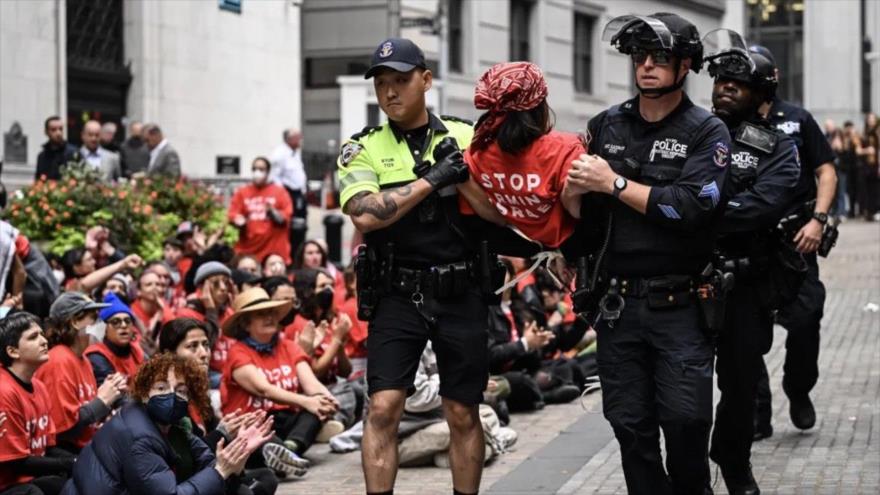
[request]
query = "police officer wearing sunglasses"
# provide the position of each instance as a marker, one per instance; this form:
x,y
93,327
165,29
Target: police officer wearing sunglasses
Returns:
x,y
654,174
764,171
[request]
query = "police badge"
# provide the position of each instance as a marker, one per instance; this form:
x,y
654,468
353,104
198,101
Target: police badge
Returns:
x,y
349,151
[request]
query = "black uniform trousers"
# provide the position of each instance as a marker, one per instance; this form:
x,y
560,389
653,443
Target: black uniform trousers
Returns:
x,y
746,336
802,319
655,366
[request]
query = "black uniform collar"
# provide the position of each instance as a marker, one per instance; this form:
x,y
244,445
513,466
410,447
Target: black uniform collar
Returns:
x,y
778,108
631,108
434,124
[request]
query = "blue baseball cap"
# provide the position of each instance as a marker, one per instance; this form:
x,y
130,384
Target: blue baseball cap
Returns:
x,y
398,54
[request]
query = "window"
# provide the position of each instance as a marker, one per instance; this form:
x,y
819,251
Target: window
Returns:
x,y
455,36
231,5
779,26
583,52
520,18
321,72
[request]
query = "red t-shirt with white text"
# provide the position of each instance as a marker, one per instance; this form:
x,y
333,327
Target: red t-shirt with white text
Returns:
x,y
279,368
29,430
71,383
525,188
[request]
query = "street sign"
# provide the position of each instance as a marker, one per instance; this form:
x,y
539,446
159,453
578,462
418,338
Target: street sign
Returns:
x,y
411,22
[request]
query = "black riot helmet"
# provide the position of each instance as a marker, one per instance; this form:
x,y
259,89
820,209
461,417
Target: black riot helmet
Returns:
x,y
661,31
727,57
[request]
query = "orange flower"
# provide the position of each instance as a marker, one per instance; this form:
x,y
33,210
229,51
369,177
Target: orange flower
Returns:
x,y
63,189
123,194
65,215
154,195
31,193
148,210
69,203
52,184
136,209
15,213
28,209
44,206
72,182
57,226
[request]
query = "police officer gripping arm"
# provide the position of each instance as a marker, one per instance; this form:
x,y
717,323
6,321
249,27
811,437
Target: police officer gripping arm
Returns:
x,y
764,170
802,318
416,277
656,167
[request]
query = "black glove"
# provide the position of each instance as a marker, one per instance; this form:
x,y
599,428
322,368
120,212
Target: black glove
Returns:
x,y
449,167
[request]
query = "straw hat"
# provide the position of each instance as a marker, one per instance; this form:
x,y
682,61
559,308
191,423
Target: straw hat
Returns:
x,y
250,301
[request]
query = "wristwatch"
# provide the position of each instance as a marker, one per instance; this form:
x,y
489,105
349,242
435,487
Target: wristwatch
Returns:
x,y
821,217
620,184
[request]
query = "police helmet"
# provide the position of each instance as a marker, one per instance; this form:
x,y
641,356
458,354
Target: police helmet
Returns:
x,y
727,57
660,31
765,52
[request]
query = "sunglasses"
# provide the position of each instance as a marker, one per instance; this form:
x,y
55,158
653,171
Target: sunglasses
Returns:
x,y
120,322
660,57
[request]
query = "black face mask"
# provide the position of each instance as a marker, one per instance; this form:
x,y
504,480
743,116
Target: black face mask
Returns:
x,y
289,317
324,299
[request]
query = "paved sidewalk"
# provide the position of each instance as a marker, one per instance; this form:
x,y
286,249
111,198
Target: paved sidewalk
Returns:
x,y
566,450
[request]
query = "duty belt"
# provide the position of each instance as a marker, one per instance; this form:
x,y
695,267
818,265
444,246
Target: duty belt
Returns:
x,y
642,286
439,281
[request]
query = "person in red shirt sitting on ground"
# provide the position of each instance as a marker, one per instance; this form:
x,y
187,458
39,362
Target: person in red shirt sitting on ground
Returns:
x,y
262,211
29,462
267,372
118,352
518,163
79,405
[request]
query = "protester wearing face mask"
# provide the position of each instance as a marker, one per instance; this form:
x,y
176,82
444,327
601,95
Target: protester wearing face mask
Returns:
x,y
79,405
261,210
149,446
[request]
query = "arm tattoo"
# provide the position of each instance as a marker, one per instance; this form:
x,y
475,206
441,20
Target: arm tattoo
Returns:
x,y
383,209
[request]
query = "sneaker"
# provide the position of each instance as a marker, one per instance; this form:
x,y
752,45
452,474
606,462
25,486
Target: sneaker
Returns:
x,y
802,412
740,481
329,430
281,459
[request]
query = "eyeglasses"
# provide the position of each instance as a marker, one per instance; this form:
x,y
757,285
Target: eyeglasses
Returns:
x,y
659,57
120,322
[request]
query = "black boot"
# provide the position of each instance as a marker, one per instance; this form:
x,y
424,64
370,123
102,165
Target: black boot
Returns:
x,y
802,412
740,481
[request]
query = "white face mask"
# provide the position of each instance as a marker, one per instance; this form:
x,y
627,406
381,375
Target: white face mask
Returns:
x,y
259,175
59,276
97,330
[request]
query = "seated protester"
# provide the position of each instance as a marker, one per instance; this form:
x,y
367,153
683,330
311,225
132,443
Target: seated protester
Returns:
x,y
170,295
211,304
80,273
321,340
79,405
518,163
172,253
356,347
147,448
119,352
271,373
313,254
188,338
117,284
149,309
247,263
273,265
29,462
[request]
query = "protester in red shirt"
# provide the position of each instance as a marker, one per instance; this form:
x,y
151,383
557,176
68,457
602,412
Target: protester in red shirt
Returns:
x,y
313,254
118,352
149,310
518,163
262,211
79,405
356,347
267,372
28,458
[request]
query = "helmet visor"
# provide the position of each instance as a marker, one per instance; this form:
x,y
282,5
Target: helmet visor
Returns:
x,y
723,41
629,31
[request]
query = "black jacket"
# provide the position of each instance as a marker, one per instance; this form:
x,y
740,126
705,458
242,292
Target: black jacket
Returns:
x,y
134,156
50,160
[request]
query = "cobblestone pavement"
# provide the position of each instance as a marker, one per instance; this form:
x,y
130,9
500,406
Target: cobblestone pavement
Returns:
x,y
840,455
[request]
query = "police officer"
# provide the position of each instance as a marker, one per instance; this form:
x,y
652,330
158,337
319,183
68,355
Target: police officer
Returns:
x,y
656,167
818,182
402,198
763,172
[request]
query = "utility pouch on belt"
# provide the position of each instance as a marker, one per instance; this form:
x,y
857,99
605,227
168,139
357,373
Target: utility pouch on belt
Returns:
x,y
366,267
450,280
712,298
670,291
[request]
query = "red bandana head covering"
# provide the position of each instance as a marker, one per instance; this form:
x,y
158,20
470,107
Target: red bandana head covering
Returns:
x,y
512,86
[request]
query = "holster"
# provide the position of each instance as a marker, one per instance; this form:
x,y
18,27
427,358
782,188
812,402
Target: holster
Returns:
x,y
784,276
491,272
712,290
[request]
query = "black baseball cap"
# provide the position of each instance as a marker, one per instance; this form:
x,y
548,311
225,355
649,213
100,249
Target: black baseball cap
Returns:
x,y
399,54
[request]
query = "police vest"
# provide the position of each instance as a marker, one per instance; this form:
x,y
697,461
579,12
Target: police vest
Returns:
x,y
379,158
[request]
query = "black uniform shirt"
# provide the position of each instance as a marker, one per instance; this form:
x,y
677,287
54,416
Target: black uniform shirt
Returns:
x,y
683,158
761,186
814,149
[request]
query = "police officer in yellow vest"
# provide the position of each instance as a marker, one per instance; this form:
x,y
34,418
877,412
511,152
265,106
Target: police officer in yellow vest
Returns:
x,y
416,275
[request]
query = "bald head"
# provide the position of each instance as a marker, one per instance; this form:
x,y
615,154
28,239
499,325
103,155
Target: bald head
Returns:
x,y
293,137
91,134
136,129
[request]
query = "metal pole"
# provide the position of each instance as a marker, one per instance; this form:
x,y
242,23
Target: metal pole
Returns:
x,y
442,30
